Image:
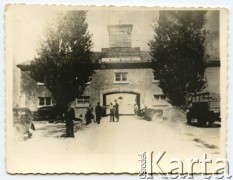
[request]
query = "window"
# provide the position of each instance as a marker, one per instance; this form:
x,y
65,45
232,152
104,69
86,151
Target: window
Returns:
x,y
155,78
121,77
48,101
122,31
40,84
45,101
83,101
160,99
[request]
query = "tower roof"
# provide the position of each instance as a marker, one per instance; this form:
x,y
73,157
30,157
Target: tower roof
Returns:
x,y
121,26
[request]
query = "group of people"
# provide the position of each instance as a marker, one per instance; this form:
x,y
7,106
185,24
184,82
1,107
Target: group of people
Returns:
x,y
89,116
114,112
69,116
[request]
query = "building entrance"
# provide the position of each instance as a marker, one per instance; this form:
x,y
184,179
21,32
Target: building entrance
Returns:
x,y
126,101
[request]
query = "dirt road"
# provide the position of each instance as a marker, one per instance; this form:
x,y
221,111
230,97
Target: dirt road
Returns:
x,y
100,147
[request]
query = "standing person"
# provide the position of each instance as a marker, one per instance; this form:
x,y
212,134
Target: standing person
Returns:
x,y
92,113
88,116
112,113
98,112
136,109
69,117
116,110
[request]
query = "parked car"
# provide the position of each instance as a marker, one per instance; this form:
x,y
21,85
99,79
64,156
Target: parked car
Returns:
x,y
49,113
23,122
205,108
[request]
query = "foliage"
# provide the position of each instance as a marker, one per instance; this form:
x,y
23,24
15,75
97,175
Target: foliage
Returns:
x,y
64,59
178,54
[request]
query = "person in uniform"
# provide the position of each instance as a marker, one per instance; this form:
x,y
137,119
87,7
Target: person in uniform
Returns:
x,y
112,113
69,117
116,107
89,116
98,112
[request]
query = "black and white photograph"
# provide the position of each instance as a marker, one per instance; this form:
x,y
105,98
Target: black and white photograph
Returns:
x,y
115,89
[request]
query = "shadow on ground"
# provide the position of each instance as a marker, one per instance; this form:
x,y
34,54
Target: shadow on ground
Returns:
x,y
205,144
58,130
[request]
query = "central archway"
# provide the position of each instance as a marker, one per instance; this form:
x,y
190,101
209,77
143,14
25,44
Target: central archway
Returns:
x,y
126,101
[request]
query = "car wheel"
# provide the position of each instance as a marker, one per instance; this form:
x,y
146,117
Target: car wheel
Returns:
x,y
29,135
189,119
201,122
210,123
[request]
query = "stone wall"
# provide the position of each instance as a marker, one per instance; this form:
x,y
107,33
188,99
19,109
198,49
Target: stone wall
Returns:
x,y
30,91
140,81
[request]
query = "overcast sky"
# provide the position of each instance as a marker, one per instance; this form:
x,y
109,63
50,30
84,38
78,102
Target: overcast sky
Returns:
x,y
25,25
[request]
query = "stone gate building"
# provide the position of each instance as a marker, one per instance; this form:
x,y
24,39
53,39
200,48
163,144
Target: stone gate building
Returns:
x,y
123,73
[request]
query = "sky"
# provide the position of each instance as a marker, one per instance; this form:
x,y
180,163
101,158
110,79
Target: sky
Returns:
x,y
25,26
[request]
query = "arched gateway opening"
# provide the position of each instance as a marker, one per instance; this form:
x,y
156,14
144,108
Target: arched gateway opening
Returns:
x,y
126,101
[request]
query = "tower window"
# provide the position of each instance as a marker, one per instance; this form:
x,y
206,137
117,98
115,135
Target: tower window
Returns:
x,y
121,77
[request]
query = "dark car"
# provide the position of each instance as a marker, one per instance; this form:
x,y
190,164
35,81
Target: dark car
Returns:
x,y
205,108
23,122
49,113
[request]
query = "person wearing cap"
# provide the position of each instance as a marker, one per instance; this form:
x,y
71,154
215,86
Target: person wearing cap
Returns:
x,y
98,112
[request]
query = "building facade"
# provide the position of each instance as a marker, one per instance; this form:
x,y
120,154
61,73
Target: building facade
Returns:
x,y
123,74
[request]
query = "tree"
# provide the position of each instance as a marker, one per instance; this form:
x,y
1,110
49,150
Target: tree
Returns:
x,y
64,60
178,54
